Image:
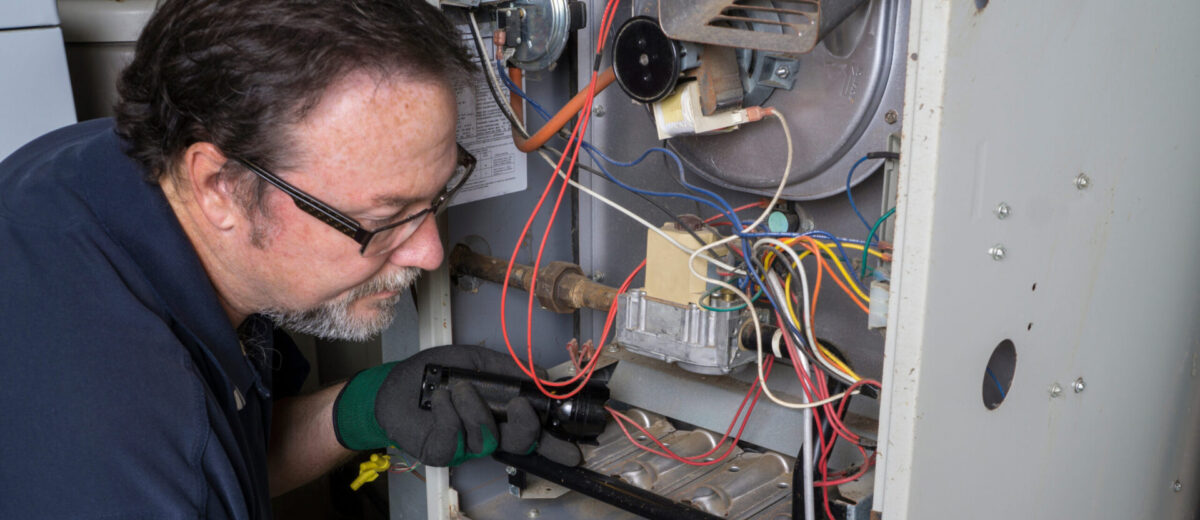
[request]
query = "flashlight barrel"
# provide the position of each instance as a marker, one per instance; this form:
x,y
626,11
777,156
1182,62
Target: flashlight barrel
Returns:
x,y
578,418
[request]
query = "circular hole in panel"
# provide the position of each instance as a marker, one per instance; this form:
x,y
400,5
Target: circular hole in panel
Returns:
x,y
980,4
998,374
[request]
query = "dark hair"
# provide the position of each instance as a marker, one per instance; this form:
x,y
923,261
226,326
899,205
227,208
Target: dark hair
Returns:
x,y
238,73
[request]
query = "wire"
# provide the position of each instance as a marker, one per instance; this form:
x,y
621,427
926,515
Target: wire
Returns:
x,y
849,195
708,294
996,380
871,236
490,74
521,128
702,459
568,111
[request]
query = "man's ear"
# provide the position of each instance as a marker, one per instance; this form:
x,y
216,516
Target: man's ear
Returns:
x,y
214,195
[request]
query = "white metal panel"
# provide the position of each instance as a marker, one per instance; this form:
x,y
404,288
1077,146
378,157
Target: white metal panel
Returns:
x,y
35,89
1009,104
27,13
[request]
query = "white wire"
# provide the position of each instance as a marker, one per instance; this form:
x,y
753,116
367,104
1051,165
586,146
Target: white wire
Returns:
x,y
777,286
490,71
810,512
746,298
629,213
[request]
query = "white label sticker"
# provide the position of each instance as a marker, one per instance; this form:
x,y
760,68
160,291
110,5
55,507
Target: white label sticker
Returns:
x,y
483,130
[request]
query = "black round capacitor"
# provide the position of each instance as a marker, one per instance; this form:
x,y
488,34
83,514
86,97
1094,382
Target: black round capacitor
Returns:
x,y
647,63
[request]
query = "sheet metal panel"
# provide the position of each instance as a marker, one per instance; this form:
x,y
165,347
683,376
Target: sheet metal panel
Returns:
x,y
1010,103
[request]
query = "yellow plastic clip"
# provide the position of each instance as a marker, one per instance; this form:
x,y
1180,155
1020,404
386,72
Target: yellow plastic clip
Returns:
x,y
369,471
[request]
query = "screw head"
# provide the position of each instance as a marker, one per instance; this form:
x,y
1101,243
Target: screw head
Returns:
x,y
891,117
1177,486
598,111
533,513
1082,181
782,72
1079,385
1002,210
510,470
612,348
998,252
1055,390
571,370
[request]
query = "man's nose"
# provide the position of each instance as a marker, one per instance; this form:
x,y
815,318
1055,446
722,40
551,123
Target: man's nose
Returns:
x,y
423,249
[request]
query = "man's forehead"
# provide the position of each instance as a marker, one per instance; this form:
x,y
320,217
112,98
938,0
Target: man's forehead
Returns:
x,y
397,135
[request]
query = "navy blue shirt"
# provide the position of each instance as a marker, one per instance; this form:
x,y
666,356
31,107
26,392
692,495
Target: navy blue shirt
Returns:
x,y
124,389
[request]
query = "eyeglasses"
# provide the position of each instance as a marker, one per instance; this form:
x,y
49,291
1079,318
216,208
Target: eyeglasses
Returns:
x,y
386,238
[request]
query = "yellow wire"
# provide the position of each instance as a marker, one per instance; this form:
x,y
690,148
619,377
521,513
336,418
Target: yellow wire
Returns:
x,y
827,248
787,287
845,275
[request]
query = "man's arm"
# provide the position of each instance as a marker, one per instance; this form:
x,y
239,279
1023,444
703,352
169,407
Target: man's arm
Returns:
x,y
303,445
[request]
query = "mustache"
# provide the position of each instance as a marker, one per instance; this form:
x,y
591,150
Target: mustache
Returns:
x,y
397,281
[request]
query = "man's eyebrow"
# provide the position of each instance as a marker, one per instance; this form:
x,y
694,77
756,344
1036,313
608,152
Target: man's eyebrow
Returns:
x,y
396,201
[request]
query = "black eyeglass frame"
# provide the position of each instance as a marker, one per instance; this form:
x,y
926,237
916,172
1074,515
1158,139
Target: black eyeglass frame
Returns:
x,y
348,225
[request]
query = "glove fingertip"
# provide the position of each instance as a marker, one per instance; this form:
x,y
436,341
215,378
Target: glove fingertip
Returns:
x,y
559,451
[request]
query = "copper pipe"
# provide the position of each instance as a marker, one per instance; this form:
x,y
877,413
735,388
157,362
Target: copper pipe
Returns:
x,y
561,286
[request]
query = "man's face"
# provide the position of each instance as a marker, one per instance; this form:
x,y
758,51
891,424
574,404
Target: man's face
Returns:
x,y
378,151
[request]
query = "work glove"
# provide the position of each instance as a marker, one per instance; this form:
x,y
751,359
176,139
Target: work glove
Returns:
x,y
379,407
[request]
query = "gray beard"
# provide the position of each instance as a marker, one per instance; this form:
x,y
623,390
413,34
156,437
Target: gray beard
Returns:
x,y
332,320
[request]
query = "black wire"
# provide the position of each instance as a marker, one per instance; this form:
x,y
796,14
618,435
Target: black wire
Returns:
x,y
676,218
494,90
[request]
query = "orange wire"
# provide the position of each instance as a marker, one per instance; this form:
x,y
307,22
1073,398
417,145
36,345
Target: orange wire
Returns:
x,y
560,119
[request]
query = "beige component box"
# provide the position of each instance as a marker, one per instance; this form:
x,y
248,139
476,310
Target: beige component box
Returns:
x,y
667,274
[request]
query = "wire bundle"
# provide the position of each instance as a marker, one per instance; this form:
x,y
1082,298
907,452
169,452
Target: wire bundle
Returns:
x,y
767,265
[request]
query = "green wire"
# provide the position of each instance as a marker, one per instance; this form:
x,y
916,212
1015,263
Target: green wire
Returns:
x,y
871,238
737,307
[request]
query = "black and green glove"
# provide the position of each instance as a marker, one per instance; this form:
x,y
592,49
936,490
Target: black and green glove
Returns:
x,y
379,407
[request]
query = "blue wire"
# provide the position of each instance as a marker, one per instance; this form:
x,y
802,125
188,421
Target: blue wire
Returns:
x,y
517,90
999,387
592,151
724,208
596,154
851,196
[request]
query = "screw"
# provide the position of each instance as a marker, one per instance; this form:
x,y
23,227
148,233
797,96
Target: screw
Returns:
x,y
998,252
891,117
782,72
1055,390
598,276
1082,181
1177,486
612,348
533,513
571,370
598,111
1002,211
510,470
1079,385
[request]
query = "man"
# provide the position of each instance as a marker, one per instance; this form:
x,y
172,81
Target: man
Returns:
x,y
272,163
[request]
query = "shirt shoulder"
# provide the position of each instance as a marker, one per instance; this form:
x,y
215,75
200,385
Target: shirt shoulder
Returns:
x,y
45,183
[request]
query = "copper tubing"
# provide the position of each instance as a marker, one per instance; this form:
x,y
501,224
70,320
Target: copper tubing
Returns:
x,y
560,119
561,286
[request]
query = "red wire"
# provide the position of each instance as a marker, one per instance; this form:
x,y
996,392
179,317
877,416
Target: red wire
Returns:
x,y
756,389
578,132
